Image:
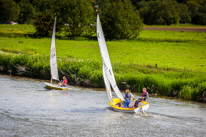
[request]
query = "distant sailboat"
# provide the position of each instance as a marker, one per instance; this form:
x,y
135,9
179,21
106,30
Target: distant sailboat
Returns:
x,y
53,63
109,78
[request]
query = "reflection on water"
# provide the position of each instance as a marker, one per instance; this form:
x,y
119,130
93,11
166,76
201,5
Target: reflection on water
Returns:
x,y
27,109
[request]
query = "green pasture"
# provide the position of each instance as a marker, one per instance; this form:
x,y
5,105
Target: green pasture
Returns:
x,y
20,28
179,50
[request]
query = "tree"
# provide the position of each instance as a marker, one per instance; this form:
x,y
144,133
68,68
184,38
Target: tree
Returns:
x,y
26,12
182,1
200,16
120,20
193,6
9,11
197,10
161,12
41,6
44,20
78,15
44,24
184,14
74,18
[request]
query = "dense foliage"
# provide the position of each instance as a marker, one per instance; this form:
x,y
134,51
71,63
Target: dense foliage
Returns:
x,y
121,19
43,24
77,16
26,13
9,11
169,13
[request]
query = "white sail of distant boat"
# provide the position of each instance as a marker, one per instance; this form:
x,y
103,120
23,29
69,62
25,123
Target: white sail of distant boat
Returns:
x,y
53,64
108,74
53,58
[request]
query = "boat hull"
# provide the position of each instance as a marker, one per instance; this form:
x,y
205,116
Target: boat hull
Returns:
x,y
139,109
52,86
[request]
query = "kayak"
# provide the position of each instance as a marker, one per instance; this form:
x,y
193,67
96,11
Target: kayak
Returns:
x,y
144,106
52,86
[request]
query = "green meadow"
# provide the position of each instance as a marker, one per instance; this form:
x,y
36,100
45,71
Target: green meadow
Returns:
x,y
5,28
168,63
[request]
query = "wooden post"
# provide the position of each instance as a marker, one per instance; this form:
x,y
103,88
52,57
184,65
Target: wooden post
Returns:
x,y
156,65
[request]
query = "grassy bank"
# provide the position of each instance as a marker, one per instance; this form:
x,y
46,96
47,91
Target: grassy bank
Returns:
x,y
167,63
163,81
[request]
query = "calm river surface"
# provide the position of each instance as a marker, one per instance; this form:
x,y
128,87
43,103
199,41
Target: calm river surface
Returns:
x,y
27,109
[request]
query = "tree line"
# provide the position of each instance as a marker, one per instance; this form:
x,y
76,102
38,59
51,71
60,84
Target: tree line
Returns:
x,y
121,19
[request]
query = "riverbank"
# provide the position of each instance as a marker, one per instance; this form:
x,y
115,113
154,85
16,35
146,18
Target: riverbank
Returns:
x,y
162,81
167,63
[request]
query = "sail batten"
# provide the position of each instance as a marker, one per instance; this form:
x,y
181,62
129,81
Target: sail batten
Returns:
x,y
53,59
108,74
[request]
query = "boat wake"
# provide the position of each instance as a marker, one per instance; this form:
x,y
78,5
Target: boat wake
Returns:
x,y
182,118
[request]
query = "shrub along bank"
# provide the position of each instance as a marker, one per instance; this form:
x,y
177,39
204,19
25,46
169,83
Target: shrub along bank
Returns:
x,y
163,81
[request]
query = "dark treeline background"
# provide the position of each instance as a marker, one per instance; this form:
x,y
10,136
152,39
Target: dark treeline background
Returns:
x,y
121,19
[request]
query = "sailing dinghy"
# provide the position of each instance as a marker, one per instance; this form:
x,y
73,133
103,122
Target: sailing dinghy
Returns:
x,y
109,78
53,64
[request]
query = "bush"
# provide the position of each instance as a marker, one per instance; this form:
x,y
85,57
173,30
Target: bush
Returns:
x,y
190,93
198,11
97,79
44,24
9,11
199,18
4,61
161,12
186,92
27,12
184,14
78,15
120,20
202,92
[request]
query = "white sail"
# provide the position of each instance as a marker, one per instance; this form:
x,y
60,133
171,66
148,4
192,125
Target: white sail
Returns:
x,y
53,58
107,84
107,67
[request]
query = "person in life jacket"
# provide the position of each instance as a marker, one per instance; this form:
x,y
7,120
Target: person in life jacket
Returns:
x,y
143,97
64,83
127,98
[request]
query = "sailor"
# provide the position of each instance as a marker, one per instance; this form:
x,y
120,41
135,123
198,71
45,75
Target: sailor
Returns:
x,y
143,97
64,83
127,98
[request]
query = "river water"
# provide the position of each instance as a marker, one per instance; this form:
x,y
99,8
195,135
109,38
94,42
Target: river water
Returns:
x,y
27,109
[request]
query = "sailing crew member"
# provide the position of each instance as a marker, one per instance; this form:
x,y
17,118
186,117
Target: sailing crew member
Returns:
x,y
143,97
127,98
64,83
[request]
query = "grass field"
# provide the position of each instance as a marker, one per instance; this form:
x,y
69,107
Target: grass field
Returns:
x,y
26,29
167,62
166,49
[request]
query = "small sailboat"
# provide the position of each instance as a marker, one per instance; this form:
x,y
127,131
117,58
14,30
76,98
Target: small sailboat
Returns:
x,y
109,78
53,64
